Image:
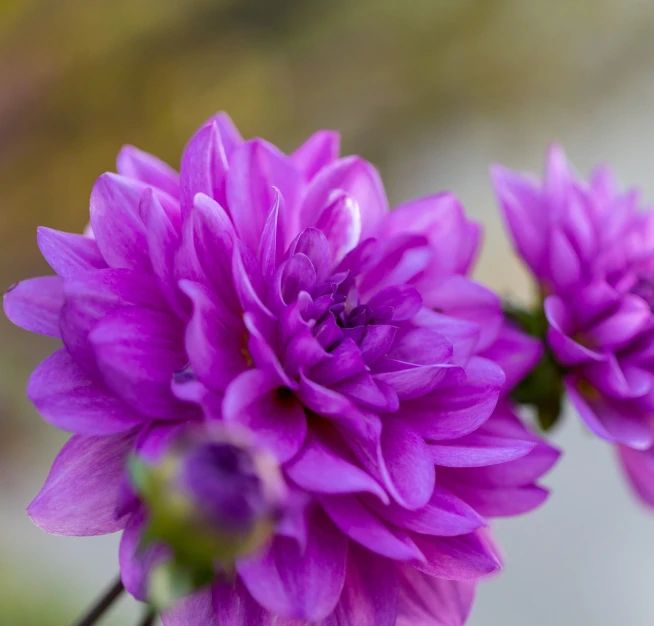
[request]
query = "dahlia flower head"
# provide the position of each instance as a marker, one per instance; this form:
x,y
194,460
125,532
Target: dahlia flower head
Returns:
x,y
591,249
279,293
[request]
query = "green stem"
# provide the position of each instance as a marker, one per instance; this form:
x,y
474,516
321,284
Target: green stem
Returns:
x,y
148,618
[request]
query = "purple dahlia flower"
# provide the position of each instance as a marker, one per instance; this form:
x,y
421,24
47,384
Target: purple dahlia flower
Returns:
x,y
591,249
278,293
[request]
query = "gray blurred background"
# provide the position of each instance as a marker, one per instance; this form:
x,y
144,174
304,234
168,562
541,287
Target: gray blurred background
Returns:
x,y
432,91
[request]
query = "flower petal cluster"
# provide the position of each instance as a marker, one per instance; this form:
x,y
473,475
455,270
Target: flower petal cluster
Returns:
x,y
591,249
279,294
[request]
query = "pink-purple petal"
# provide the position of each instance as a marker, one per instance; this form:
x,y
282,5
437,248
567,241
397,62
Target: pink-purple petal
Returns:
x,y
138,351
68,398
303,584
69,254
320,150
464,557
35,304
278,421
216,348
370,594
359,180
367,529
476,450
322,466
78,497
139,165
196,610
406,464
117,224
431,601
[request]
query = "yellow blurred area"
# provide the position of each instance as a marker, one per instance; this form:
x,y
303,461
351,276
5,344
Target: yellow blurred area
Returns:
x,y
430,90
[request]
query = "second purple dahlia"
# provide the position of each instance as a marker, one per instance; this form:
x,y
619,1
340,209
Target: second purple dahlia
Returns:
x,y
590,248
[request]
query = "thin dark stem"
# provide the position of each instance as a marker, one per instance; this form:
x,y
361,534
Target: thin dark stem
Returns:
x,y
98,610
148,618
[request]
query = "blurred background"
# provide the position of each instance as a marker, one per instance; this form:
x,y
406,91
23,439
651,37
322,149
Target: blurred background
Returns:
x,y
432,91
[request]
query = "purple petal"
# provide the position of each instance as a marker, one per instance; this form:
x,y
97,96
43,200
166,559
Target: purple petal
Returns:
x,y
204,167
79,495
69,254
196,609
155,439
322,466
217,350
134,163
320,150
460,297
615,331
452,411
262,353
300,584
377,342
557,178
255,168
66,397
302,351
462,334
163,242
254,400
405,300
455,558
207,249
616,421
564,263
136,562
340,221
407,467
567,350
235,606
138,351
410,381
367,529
313,244
249,284
432,601
298,275
271,246
35,305
345,361
476,450
515,352
444,515
452,237
117,224
617,381
521,202
500,501
421,346
369,393
519,472
594,302
91,296
359,180
639,466
328,333
403,260
322,400
229,135
370,594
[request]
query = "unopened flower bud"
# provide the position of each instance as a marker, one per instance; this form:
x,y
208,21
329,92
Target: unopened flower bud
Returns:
x,y
213,497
